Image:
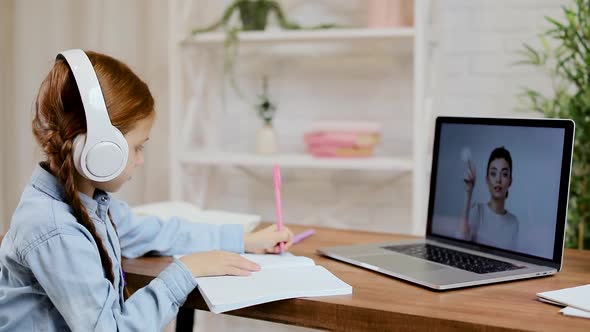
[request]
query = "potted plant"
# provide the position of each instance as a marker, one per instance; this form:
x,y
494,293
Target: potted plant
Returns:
x,y
266,138
253,15
565,55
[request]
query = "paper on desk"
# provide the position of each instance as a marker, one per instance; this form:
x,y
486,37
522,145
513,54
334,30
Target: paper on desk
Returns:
x,y
550,302
569,311
576,297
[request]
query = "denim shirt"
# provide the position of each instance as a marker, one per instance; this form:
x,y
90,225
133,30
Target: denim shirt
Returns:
x,y
51,277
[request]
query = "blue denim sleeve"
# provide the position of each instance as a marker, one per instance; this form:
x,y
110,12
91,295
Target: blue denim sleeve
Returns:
x,y
142,234
68,269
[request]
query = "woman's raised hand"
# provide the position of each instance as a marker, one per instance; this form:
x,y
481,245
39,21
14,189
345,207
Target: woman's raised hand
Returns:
x,y
469,177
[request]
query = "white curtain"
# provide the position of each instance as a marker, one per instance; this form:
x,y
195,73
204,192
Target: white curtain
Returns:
x,y
32,32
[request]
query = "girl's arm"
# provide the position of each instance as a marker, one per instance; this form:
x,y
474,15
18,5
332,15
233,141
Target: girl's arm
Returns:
x,y
68,269
140,235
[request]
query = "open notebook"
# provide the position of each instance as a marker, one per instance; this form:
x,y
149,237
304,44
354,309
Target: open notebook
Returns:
x,y
281,277
193,213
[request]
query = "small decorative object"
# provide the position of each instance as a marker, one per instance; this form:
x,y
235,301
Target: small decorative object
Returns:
x,y
565,56
253,17
266,138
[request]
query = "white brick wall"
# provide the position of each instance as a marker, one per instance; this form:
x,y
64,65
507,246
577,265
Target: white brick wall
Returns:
x,y
479,41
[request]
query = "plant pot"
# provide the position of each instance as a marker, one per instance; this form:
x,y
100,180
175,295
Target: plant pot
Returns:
x,y
266,140
254,15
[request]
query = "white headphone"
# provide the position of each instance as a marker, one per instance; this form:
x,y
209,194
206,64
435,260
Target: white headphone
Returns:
x,y
100,154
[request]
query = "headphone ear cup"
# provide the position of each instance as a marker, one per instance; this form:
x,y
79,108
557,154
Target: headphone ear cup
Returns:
x,y
122,142
118,139
119,163
77,147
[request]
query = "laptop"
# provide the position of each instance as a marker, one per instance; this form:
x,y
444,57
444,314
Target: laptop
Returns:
x,y
497,206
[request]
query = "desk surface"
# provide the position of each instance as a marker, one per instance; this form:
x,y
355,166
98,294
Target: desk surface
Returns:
x,y
382,303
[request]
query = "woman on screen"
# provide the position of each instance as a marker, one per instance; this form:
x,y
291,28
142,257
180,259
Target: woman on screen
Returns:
x,y
490,223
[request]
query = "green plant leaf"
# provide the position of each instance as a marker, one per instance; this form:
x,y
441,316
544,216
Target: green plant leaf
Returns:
x,y
568,67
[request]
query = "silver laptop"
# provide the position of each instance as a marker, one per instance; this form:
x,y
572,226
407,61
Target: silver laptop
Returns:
x,y
497,206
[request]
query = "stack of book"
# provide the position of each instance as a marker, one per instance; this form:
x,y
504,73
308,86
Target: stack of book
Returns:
x,y
342,139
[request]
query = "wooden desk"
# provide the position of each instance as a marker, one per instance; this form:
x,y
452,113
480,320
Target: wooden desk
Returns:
x,y
382,303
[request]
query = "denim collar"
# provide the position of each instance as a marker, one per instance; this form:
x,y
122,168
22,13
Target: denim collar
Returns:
x,y
46,182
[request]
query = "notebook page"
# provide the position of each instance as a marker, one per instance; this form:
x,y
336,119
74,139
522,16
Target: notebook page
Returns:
x,y
231,292
279,261
576,297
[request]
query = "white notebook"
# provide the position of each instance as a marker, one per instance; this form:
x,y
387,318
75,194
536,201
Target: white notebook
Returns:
x,y
191,212
281,277
574,297
569,311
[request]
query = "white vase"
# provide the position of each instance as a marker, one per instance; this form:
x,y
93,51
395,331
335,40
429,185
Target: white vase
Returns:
x,y
266,140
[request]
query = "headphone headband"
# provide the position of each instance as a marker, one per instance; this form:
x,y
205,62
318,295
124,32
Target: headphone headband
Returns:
x,y
95,108
101,154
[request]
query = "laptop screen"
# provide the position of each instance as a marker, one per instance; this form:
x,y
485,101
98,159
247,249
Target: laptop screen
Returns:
x,y
500,185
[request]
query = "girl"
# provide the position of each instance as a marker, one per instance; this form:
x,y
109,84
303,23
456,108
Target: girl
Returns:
x,y
60,262
491,224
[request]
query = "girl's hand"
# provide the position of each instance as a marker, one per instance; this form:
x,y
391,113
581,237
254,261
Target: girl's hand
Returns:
x,y
266,241
469,177
218,263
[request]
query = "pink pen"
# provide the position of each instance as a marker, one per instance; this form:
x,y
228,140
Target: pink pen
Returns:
x,y
301,236
276,175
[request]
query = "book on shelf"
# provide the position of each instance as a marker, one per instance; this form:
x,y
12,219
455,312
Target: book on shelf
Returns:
x,y
339,152
341,139
191,212
281,277
345,126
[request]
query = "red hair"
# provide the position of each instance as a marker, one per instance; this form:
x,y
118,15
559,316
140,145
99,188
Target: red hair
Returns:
x,y
59,118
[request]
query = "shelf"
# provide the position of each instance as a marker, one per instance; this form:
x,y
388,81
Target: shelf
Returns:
x,y
296,161
324,35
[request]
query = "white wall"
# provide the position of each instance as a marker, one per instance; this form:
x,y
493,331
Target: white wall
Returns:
x,y
478,44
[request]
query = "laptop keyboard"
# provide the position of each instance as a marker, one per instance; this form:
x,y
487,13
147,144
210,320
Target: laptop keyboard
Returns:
x,y
454,258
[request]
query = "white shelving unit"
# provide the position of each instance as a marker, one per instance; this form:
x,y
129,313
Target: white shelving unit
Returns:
x,y
282,36
192,115
204,157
